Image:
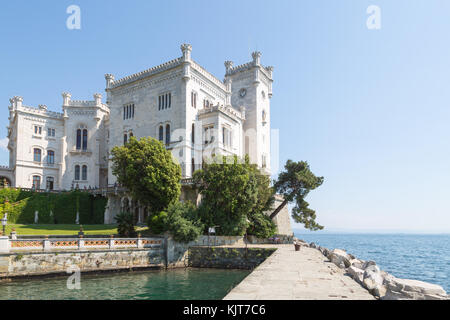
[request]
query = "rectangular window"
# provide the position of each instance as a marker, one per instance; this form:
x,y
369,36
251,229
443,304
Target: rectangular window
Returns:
x,y
124,112
50,182
51,132
194,99
226,137
37,130
50,157
164,101
37,155
36,182
208,135
84,173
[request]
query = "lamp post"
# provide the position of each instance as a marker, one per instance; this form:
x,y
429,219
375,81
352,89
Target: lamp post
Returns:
x,y
4,222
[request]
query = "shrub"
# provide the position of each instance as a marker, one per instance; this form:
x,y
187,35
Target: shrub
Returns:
x,y
261,226
125,225
157,223
180,220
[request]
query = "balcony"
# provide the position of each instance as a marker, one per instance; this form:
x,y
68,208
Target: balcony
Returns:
x,y
83,152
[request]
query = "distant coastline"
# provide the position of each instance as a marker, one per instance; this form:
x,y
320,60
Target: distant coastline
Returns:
x,y
370,231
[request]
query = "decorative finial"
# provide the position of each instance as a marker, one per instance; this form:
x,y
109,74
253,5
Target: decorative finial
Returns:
x,y
109,80
98,99
186,49
256,55
66,98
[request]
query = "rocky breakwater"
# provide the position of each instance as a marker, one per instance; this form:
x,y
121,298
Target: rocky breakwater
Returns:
x,y
380,283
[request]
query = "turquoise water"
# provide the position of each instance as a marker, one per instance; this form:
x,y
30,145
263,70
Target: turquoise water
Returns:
x,y
419,257
178,284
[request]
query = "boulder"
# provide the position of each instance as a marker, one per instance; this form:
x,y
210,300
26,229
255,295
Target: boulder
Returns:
x,y
356,274
313,245
324,251
357,263
368,264
405,289
373,281
340,258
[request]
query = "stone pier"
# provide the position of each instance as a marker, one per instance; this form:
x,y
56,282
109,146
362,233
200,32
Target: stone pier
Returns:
x,y
298,275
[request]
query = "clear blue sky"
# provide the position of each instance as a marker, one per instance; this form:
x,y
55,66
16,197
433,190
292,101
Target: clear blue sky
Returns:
x,y
368,109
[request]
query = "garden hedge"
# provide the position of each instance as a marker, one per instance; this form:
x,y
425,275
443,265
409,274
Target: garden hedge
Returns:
x,y
22,205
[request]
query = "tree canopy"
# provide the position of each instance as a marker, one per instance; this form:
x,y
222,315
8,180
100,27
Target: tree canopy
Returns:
x,y
147,169
294,184
234,197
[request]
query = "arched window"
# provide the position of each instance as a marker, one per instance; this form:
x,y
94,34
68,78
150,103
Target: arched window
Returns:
x,y
50,183
37,155
193,133
84,173
125,138
50,157
77,172
36,182
85,139
168,134
78,139
161,133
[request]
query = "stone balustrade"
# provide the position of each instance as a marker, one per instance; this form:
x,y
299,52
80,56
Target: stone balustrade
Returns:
x,y
9,245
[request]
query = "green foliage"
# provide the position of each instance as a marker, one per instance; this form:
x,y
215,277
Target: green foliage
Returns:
x,y
180,220
157,223
260,224
235,197
229,193
294,184
125,225
22,205
147,169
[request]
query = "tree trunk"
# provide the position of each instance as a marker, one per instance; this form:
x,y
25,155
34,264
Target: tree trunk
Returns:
x,y
277,210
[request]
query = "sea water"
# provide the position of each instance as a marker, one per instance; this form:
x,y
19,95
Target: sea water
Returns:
x,y
172,284
418,257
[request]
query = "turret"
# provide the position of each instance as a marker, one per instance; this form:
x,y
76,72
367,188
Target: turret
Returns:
x,y
66,99
109,80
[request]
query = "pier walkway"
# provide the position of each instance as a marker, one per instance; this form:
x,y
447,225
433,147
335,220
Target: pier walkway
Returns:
x,y
297,275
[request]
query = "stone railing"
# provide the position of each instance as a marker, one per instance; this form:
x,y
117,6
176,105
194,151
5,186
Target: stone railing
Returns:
x,y
8,245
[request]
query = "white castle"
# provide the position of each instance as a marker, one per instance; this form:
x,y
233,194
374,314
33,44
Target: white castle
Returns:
x,y
178,102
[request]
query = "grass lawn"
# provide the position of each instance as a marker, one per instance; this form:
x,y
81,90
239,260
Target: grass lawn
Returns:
x,y
64,229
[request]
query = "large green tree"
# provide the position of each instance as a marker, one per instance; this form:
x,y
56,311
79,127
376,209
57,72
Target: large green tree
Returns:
x,y
147,169
294,184
260,224
229,193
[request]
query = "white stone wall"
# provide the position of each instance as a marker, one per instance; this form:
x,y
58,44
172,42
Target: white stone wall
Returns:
x,y
23,140
241,114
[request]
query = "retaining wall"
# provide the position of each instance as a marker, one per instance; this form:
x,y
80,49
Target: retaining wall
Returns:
x,y
228,258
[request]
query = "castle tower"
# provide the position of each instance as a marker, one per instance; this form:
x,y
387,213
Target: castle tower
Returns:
x,y
251,90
